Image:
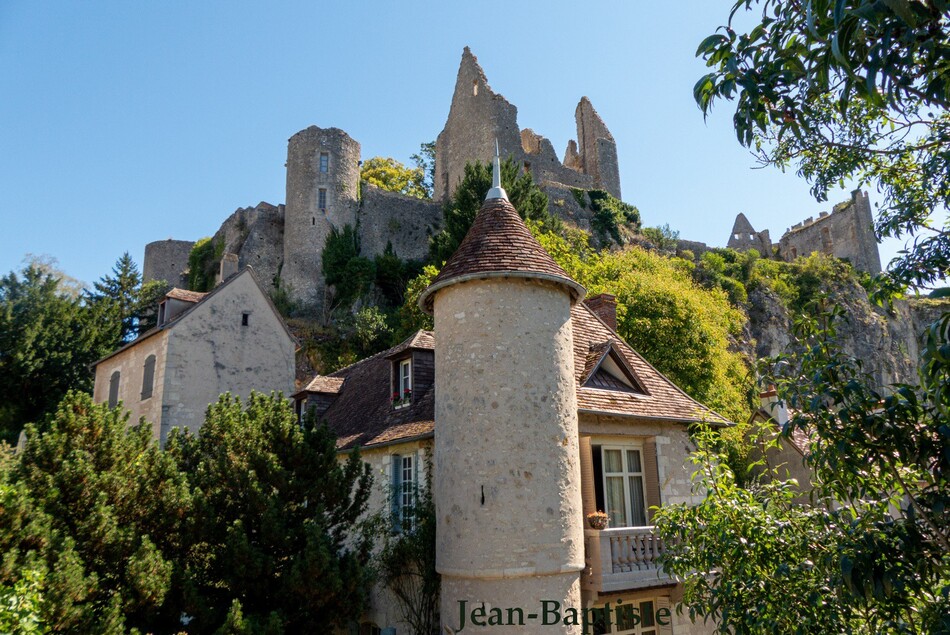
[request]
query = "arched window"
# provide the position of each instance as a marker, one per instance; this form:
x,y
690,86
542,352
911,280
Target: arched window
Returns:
x,y
114,389
148,377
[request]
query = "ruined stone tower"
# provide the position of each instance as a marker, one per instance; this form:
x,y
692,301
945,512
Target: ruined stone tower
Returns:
x,y
323,175
507,474
744,237
478,116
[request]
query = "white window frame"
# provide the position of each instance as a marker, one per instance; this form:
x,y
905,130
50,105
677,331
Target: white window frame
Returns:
x,y
626,474
403,382
407,493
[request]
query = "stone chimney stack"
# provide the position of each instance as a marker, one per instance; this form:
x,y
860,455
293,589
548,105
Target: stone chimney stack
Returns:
x,y
604,306
771,404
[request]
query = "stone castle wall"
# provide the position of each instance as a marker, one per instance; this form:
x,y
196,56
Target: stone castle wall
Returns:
x,y
256,236
167,260
405,223
306,223
846,233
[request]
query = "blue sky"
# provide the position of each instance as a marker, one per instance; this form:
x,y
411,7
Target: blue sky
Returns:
x,y
127,122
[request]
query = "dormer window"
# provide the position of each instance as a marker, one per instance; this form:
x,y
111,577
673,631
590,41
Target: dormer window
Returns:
x,y
402,387
607,369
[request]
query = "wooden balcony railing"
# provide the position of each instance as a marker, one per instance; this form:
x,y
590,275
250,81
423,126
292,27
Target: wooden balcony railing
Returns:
x,y
621,559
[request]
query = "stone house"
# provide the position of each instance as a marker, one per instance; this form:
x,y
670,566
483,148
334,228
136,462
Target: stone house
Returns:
x,y
534,413
205,344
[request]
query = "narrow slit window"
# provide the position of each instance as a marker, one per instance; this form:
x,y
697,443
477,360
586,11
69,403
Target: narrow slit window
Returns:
x,y
324,161
322,199
245,318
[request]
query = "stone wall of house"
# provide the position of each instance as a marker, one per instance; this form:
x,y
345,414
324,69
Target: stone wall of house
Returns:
x,y
389,218
211,352
256,236
167,260
130,364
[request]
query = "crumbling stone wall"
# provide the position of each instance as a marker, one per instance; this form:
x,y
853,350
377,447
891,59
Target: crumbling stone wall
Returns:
x,y
478,116
167,260
846,233
256,236
744,237
402,221
306,223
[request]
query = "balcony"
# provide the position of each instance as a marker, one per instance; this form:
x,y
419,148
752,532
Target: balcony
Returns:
x,y
622,559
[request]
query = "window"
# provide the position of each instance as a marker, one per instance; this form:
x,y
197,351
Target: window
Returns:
x,y
322,199
114,389
148,377
621,485
404,481
633,618
324,161
368,628
402,390
245,318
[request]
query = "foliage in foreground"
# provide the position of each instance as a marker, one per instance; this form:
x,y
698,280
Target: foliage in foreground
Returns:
x,y
277,520
853,567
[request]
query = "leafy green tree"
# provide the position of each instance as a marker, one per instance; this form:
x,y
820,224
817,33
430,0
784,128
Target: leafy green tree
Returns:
x,y
350,274
107,508
133,302
278,520
853,89
425,160
409,316
391,175
610,215
203,264
48,339
460,211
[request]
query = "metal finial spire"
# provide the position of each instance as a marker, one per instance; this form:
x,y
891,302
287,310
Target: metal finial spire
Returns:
x,y
496,191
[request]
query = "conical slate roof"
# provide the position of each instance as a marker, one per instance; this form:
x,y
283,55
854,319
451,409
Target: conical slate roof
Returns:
x,y
499,245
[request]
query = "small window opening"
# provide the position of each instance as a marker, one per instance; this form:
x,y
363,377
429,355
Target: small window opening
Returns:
x,y
751,236
475,88
245,318
324,161
402,394
322,199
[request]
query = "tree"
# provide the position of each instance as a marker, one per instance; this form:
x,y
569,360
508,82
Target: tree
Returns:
x,y
106,510
391,175
460,211
48,339
350,274
425,159
134,302
280,520
853,89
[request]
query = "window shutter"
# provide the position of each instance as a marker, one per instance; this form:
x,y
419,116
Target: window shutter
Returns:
x,y
588,495
114,389
396,486
148,376
651,475
664,603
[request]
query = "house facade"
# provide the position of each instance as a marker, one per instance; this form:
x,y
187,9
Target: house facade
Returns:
x,y
532,413
205,344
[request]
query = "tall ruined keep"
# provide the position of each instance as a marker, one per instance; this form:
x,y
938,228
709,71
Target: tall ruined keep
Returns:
x,y
479,115
284,243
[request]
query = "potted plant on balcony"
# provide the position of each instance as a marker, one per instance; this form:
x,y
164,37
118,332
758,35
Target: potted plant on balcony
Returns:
x,y
597,520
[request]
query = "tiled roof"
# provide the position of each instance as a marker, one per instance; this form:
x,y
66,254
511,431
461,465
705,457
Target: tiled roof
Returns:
x,y
330,385
185,295
362,413
499,243
664,401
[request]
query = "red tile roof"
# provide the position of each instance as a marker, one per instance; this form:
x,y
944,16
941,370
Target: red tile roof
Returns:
x,y
329,385
499,243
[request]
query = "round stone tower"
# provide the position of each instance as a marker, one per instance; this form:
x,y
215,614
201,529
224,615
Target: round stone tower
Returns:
x,y
323,174
507,481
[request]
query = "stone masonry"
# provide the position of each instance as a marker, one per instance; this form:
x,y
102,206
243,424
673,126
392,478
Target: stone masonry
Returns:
x,y
166,260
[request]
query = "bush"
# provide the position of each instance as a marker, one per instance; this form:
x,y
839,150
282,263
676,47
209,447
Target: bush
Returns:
x,y
203,264
610,214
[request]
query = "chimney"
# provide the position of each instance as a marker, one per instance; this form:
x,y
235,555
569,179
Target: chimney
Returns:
x,y
771,404
604,306
227,268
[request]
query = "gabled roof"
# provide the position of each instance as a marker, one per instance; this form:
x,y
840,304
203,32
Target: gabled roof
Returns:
x,y
183,294
663,401
325,385
362,413
615,374
499,244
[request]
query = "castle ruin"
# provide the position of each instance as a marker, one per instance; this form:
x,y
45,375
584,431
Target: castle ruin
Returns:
x,y
847,232
284,243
